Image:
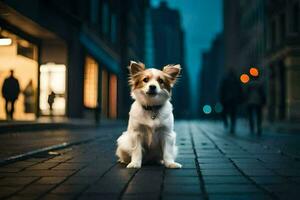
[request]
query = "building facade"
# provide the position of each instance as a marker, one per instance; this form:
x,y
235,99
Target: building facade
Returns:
x,y
267,37
282,59
167,39
75,49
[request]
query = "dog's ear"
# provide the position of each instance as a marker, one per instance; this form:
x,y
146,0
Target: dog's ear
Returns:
x,y
173,72
136,67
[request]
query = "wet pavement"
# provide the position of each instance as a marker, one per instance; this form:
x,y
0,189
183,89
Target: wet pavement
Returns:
x,y
216,165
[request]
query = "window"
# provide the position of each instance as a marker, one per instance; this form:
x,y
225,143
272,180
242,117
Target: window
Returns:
x,y
113,33
105,18
112,96
94,11
295,19
282,27
273,33
104,93
90,83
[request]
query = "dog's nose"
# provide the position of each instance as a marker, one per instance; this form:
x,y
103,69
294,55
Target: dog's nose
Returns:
x,y
152,87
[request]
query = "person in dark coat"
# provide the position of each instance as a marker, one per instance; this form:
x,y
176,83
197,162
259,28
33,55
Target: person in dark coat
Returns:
x,y
51,99
10,92
230,96
256,99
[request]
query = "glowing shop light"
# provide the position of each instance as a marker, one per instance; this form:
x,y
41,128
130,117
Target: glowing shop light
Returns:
x,y
207,109
5,41
254,71
244,78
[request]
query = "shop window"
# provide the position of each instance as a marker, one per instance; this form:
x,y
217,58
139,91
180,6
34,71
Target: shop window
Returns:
x,y
112,96
104,93
52,89
25,70
90,83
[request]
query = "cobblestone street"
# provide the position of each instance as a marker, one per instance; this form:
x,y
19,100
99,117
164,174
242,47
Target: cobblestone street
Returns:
x,y
216,165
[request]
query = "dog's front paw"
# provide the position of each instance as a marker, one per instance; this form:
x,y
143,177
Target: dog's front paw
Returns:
x,y
173,165
134,165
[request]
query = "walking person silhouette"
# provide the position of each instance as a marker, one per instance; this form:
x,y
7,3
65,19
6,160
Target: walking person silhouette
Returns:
x,y
10,92
231,96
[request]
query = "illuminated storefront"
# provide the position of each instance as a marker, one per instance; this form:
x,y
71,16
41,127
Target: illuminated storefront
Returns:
x,y
100,86
90,97
19,55
52,80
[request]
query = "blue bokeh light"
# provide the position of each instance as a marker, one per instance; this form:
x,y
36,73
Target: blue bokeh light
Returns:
x,y
207,109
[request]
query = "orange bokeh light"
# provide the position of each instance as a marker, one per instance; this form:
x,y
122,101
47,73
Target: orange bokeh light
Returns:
x,y
254,71
244,78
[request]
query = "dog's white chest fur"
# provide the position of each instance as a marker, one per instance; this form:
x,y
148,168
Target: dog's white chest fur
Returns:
x,y
139,116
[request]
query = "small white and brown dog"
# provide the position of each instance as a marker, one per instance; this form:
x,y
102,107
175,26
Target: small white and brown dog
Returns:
x,y
150,136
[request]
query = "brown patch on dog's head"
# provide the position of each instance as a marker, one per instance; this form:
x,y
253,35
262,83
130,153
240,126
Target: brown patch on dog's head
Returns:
x,y
172,73
135,69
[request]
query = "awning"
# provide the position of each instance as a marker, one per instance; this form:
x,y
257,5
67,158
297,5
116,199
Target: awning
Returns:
x,y
100,51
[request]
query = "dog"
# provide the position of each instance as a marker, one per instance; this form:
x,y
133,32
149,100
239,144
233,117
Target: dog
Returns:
x,y
150,136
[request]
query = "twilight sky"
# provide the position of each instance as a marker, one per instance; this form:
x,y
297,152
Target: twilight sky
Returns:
x,y
201,21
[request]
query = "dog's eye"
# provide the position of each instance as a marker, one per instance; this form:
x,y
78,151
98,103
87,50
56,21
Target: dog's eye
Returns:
x,y
160,81
146,80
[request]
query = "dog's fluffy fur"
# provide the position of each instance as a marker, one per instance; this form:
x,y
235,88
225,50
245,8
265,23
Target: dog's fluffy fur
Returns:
x,y
150,136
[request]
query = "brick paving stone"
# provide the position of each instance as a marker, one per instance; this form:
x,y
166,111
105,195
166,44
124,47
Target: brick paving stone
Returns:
x,y
182,189
99,197
141,196
258,172
43,166
59,197
68,166
269,180
239,197
282,188
22,197
55,173
181,172
231,188
36,189
183,197
50,180
225,180
105,188
14,181
181,180
288,172
216,166
8,190
81,180
10,169
20,164
143,188
68,189
213,160
295,179
220,172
